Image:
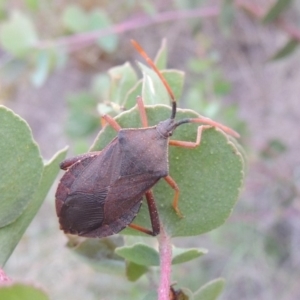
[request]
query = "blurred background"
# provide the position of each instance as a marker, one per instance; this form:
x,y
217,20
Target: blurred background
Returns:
x,y
242,68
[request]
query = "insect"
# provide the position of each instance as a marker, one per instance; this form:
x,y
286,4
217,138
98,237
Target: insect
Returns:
x,y
101,192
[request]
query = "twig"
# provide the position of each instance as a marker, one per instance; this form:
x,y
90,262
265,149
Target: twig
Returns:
x,y
165,251
76,41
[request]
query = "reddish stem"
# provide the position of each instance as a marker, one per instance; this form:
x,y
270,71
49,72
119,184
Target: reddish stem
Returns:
x,y
76,41
3,277
165,251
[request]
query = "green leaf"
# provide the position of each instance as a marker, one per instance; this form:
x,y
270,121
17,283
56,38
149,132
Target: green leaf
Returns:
x,y
286,50
181,255
135,271
19,291
211,290
131,95
12,233
162,56
99,253
18,34
21,166
43,63
175,79
99,19
123,78
75,19
222,87
32,4
140,254
148,7
83,118
153,90
209,176
100,86
276,10
227,14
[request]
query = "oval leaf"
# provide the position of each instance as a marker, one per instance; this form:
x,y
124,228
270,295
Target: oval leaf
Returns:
x,y
161,56
211,290
209,176
21,166
135,271
18,34
11,234
99,19
140,254
154,91
131,95
276,10
286,50
21,291
99,253
181,255
75,19
175,79
123,78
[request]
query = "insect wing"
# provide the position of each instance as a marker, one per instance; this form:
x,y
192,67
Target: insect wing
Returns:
x,y
80,207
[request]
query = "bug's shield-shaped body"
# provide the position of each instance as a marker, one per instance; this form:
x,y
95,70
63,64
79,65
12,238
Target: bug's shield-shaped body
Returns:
x,y
100,194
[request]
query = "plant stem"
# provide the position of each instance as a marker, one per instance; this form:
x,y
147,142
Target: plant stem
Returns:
x,y
3,277
165,251
76,41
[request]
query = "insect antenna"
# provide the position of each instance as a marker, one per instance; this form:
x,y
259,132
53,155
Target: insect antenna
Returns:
x,y
200,119
143,53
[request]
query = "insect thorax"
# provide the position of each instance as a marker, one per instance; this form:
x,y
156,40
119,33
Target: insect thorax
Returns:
x,y
144,151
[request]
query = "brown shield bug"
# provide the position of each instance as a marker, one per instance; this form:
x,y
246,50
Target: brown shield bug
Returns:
x,y
101,192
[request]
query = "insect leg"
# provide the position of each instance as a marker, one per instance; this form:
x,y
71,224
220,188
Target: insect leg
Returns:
x,y
141,108
114,124
175,187
187,144
153,217
210,122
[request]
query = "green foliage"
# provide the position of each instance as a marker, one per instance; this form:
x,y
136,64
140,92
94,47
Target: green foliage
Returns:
x,y
182,255
209,176
18,34
276,10
76,20
135,271
25,180
99,253
273,149
32,4
227,15
286,50
83,118
122,79
140,254
21,163
18,291
210,291
161,56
